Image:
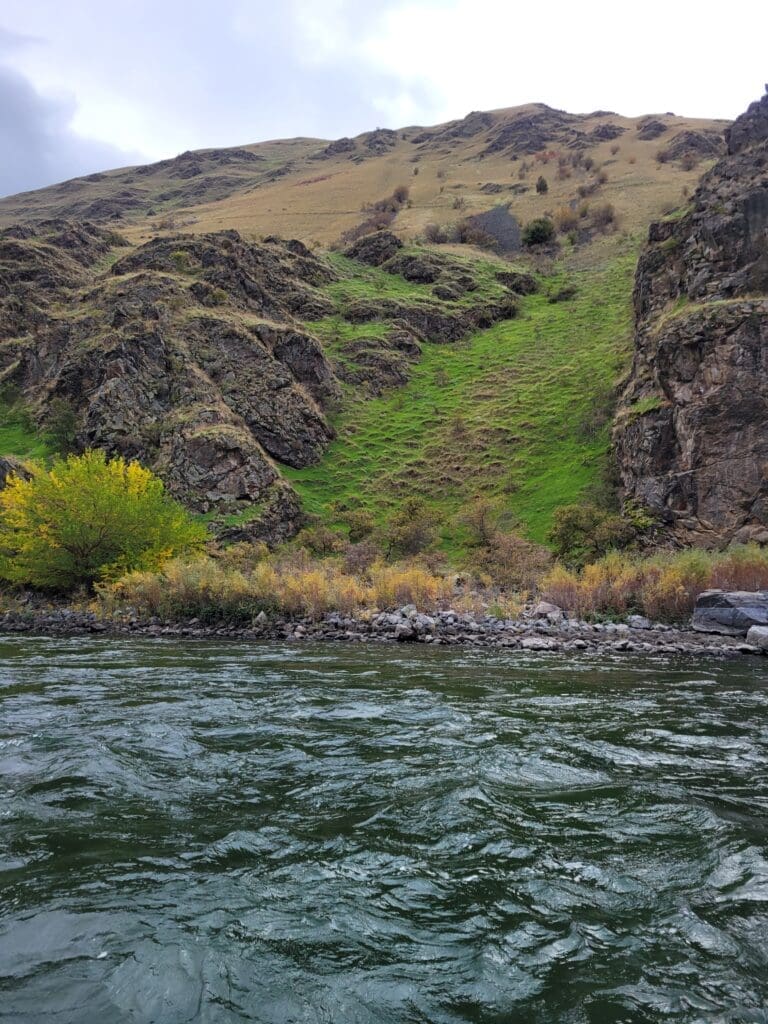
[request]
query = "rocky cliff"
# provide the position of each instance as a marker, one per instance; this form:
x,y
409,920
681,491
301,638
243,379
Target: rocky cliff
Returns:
x,y
691,433
186,353
191,353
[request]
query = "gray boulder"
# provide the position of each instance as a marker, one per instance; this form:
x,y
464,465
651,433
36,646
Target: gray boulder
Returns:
x,y
638,622
732,613
758,637
544,608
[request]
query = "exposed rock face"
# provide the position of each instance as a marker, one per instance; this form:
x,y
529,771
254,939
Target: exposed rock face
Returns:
x,y
344,145
692,429
518,281
475,123
606,132
696,144
418,268
185,355
190,178
532,131
374,249
433,322
12,467
650,128
380,363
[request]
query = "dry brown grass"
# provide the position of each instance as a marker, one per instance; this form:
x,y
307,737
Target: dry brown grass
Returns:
x,y
235,588
332,192
664,587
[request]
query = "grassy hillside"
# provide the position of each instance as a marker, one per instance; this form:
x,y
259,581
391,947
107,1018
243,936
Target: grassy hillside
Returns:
x,y
519,412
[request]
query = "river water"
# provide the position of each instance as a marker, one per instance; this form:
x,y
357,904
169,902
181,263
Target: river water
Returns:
x,y
353,834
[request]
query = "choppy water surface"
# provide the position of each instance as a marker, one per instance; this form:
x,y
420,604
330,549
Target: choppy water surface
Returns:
x,y
350,834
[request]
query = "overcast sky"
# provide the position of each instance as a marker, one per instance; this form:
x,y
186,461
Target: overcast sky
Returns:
x,y
87,84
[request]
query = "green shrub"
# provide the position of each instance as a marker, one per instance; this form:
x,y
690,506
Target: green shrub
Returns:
x,y
320,540
410,530
538,231
583,532
88,518
360,522
541,185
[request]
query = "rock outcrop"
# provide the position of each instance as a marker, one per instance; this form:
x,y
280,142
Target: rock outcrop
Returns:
x,y
375,248
433,321
732,613
691,433
11,467
187,353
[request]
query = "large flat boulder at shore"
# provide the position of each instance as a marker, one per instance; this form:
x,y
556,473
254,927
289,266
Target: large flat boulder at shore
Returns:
x,y
732,613
758,635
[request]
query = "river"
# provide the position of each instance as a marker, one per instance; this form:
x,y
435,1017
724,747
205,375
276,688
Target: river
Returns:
x,y
353,834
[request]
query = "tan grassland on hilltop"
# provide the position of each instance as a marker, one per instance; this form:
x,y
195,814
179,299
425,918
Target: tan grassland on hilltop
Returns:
x,y
291,188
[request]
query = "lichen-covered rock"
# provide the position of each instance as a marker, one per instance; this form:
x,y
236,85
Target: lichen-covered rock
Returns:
x,y
269,279
691,433
530,131
374,249
259,389
186,355
380,363
518,281
418,268
607,131
210,466
650,128
432,322
704,144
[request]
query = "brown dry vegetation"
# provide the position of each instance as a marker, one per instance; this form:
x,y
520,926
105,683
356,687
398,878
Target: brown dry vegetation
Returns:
x,y
663,587
290,193
247,580
638,186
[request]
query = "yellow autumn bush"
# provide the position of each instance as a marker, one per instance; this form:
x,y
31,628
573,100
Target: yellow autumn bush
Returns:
x,y
86,518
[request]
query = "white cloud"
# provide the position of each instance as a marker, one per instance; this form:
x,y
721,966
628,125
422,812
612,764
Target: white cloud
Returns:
x,y
179,74
480,54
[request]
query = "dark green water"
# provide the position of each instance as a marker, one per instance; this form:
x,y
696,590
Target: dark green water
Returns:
x,y
348,835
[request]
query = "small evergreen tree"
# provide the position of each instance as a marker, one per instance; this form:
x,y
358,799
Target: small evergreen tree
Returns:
x,y
541,185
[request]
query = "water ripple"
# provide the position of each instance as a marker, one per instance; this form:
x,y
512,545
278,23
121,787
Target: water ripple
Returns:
x,y
299,834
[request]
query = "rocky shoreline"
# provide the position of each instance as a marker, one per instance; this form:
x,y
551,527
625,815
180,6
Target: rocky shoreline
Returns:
x,y
552,632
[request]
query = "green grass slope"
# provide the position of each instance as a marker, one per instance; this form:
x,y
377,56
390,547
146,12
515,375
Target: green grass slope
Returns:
x,y
519,413
19,436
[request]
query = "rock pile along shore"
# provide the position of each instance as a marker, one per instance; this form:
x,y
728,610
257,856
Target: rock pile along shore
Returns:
x,y
545,632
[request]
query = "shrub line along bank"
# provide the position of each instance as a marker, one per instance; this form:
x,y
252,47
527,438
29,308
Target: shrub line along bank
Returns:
x,y
530,634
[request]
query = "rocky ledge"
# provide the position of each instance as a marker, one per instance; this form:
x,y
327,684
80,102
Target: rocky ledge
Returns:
x,y
541,632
